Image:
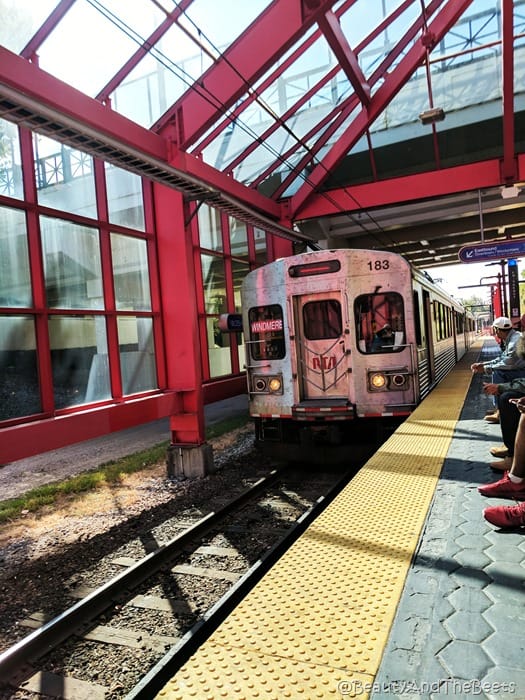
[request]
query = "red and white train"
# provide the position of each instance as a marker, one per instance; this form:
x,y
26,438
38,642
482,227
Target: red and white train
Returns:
x,y
339,341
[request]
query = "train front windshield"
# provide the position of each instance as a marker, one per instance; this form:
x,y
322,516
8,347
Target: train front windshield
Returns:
x,y
380,322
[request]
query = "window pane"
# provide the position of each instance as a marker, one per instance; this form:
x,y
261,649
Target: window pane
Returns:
x,y
10,165
15,278
125,204
380,322
130,273
19,391
72,269
266,332
259,237
238,239
79,359
214,284
21,19
218,349
322,319
210,228
239,272
64,177
137,354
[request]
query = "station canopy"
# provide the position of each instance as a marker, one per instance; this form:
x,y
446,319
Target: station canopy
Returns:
x,y
391,124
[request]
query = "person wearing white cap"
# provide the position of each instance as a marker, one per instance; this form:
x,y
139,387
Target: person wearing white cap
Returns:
x,y
509,365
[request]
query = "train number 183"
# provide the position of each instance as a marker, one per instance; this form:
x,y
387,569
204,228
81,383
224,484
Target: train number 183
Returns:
x,y
378,264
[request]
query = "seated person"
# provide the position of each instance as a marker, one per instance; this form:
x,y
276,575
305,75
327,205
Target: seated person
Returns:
x,y
383,339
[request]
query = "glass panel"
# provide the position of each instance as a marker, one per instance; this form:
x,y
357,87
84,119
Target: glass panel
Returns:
x,y
79,359
168,70
239,272
218,349
125,204
72,269
220,26
130,273
10,166
210,228
21,19
322,319
137,354
238,238
380,322
19,391
15,276
68,52
259,237
214,284
266,332
64,177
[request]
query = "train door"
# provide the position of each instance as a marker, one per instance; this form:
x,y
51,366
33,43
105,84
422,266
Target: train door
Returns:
x,y
427,310
320,329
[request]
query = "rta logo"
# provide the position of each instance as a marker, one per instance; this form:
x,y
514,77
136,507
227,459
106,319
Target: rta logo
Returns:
x,y
323,362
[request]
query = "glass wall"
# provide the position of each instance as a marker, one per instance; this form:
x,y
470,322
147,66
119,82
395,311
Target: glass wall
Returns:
x,y
71,278
79,315
229,249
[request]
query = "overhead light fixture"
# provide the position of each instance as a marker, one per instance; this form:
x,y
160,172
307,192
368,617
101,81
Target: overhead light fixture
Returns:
x,y
431,116
423,242
510,191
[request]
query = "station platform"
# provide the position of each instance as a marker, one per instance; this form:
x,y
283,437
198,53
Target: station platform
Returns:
x,y
399,589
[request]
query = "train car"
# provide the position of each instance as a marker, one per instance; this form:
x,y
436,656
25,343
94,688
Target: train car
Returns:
x,y
340,341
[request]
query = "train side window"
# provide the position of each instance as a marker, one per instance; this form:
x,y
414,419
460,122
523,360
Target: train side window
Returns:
x,y
322,319
417,320
380,322
267,332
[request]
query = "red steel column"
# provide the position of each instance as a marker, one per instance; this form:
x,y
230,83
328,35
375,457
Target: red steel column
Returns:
x,y
179,313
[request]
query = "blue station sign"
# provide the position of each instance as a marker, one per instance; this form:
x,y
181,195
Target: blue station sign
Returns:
x,y
492,251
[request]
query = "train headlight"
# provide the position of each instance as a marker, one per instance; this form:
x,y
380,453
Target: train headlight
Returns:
x,y
274,385
398,380
259,384
264,384
377,381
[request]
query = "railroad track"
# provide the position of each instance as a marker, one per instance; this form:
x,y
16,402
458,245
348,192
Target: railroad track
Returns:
x,y
128,636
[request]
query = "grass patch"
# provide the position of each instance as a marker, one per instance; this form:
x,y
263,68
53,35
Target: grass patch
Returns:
x,y
108,473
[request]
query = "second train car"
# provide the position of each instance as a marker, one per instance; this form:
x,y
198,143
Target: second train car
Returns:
x,y
340,341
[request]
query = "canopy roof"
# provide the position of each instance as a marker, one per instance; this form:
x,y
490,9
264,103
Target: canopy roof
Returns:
x,y
313,118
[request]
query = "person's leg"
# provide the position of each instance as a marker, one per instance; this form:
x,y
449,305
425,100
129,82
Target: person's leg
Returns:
x,y
511,486
509,418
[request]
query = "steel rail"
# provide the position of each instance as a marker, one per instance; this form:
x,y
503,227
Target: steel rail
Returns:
x,y
166,668
65,625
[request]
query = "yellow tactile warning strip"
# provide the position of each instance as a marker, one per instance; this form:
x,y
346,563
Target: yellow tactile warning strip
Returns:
x,y
316,625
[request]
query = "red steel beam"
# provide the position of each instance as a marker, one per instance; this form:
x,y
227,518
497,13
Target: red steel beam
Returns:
x,y
347,59
393,83
436,183
25,84
246,60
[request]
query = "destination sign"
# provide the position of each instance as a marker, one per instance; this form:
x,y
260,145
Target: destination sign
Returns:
x,y
492,251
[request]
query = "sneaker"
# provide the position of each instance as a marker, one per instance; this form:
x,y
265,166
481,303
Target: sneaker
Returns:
x,y
493,417
506,516
504,488
499,451
503,465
